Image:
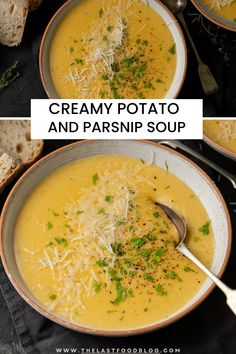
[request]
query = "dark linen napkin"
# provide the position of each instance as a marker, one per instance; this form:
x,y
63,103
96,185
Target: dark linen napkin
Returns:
x,y
209,329
216,46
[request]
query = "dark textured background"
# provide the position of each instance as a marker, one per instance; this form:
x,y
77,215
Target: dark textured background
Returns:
x,y
216,46
210,329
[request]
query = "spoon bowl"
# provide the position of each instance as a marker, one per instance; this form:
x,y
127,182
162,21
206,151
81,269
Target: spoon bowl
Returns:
x,y
175,6
181,227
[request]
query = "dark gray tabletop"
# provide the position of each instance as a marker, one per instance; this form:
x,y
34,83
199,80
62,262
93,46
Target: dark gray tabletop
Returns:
x,y
216,46
209,329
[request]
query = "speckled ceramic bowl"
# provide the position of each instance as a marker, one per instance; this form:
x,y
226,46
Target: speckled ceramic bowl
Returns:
x,y
166,15
213,17
180,166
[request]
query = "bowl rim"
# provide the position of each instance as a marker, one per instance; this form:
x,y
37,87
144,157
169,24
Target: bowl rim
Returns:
x,y
61,8
219,148
215,21
104,332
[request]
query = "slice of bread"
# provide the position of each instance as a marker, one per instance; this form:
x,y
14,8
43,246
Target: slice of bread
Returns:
x,y
9,168
16,141
34,4
12,21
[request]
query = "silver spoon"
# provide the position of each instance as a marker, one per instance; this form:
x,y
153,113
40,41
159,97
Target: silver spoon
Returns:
x,y
208,81
181,227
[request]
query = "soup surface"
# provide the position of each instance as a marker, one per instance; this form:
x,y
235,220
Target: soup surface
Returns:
x,y
223,8
112,49
93,247
223,132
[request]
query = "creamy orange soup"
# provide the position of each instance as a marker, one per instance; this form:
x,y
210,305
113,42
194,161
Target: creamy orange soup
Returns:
x,y
93,247
112,49
223,8
222,132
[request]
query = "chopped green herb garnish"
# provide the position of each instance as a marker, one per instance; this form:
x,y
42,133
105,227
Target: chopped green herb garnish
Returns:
x,y
102,94
52,297
146,253
110,28
205,228
145,42
166,166
121,294
145,309
148,277
61,241
115,67
109,198
196,239
79,61
105,38
71,50
171,275
160,290
123,271
104,77
79,212
117,249
49,225
141,95
101,211
130,293
188,269
128,262
67,226
158,81
101,263
149,85
97,286
95,178
156,260
159,252
101,12
112,272
156,214
172,50
120,222
138,242
55,214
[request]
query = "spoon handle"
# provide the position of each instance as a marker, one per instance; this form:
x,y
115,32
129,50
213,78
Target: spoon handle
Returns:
x,y
208,81
229,293
176,144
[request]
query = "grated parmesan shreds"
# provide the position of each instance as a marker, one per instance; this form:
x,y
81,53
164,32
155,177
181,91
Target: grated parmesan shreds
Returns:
x,y
227,131
90,236
219,4
100,53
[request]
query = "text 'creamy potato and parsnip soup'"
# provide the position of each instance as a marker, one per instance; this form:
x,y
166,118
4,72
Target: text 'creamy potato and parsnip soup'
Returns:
x,y
222,132
112,49
94,248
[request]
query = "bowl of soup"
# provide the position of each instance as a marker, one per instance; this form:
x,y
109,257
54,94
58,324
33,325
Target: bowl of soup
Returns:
x,y
221,12
95,49
84,243
221,136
